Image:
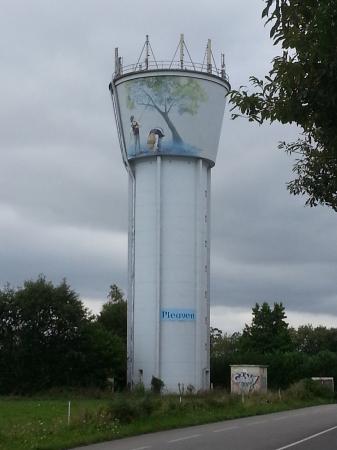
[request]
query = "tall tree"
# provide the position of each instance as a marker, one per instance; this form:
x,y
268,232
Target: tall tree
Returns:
x,y
308,339
223,343
268,331
113,320
40,331
301,88
48,338
104,356
113,315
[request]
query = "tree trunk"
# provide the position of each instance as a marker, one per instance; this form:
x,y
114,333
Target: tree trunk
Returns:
x,y
176,138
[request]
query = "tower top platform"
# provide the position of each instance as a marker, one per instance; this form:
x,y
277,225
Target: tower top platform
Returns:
x,y
169,108
183,61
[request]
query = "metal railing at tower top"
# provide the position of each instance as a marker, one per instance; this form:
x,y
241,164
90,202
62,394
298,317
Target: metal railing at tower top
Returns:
x,y
170,65
144,63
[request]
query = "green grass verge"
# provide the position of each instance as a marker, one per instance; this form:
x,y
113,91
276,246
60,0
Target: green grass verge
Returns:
x,y
41,423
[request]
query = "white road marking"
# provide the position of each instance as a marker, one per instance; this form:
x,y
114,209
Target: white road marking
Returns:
x,y
141,448
307,438
185,438
225,429
255,423
281,418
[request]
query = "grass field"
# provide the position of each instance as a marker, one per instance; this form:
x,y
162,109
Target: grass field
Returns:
x,y
41,423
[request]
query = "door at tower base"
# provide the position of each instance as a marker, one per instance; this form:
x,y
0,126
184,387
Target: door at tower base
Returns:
x,y
171,114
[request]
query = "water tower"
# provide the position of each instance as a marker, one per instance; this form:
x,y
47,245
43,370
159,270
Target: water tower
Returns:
x,y
169,117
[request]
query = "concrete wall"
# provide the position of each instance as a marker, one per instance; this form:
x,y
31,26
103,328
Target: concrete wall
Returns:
x,y
325,381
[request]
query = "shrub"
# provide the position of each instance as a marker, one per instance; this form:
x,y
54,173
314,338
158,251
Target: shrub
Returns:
x,y
127,409
308,389
139,389
147,405
317,389
156,385
123,409
100,420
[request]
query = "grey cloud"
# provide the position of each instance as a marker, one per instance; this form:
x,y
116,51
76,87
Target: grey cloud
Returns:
x,y
90,260
63,188
266,245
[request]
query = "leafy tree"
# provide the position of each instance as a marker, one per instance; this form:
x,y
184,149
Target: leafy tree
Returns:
x,y
312,340
40,329
268,331
165,94
113,321
223,343
323,364
290,354
48,338
115,294
215,336
102,356
224,348
113,316
285,368
301,88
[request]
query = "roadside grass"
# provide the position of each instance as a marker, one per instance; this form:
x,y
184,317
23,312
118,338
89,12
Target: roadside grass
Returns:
x,y
41,423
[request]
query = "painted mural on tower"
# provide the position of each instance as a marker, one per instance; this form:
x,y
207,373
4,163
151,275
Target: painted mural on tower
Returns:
x,y
171,115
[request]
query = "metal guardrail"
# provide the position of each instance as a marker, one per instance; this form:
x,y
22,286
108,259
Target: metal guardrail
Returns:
x,y
171,65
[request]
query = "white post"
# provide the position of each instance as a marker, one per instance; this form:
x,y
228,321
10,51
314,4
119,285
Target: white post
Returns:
x,y
69,411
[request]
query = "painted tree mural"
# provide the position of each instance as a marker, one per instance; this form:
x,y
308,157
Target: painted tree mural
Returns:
x,y
165,94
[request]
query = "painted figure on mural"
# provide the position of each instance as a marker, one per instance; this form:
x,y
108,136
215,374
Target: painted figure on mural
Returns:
x,y
154,139
135,125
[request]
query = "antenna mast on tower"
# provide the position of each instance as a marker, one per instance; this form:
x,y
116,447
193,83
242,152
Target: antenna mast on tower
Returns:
x,y
147,54
182,44
223,66
209,56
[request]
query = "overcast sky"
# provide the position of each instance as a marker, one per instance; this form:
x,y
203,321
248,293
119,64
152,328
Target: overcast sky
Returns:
x,y
63,187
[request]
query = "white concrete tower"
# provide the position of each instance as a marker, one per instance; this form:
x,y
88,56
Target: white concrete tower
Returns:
x,y
169,119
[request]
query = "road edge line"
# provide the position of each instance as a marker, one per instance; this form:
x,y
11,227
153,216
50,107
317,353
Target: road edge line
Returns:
x,y
307,438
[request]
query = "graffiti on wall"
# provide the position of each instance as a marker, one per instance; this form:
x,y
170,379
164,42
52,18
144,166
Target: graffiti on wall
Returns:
x,y
246,381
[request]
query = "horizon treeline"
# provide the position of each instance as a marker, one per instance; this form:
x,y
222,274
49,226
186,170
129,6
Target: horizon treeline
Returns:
x,y
290,354
49,339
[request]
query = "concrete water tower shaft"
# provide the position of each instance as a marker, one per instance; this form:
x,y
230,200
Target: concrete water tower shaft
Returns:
x,y
169,118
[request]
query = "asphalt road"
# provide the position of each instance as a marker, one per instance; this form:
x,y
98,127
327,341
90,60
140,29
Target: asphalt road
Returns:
x,y
312,428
